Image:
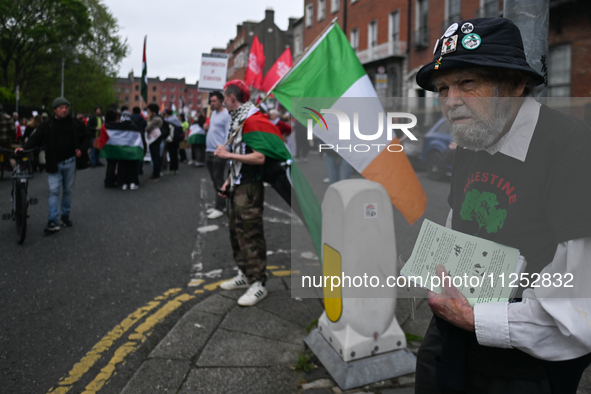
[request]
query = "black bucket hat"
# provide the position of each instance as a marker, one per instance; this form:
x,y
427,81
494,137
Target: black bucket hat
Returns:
x,y
490,42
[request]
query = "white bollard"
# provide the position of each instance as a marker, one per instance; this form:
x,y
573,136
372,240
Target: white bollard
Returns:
x,y
358,242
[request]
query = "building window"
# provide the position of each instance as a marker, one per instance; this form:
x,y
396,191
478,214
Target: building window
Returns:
x,y
335,6
153,88
126,90
489,8
153,99
297,45
137,98
559,70
309,14
421,38
172,97
355,39
172,88
190,103
321,10
127,99
163,97
453,11
190,95
181,89
395,26
137,88
372,34
164,88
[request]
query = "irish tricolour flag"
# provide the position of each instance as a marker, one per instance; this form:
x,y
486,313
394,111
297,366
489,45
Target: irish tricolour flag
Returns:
x,y
121,141
329,77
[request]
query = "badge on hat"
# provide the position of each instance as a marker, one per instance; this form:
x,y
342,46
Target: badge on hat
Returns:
x,y
467,28
451,30
438,63
471,41
449,45
435,47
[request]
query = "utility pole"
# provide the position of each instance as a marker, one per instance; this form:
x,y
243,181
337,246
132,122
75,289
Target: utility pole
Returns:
x,y
532,18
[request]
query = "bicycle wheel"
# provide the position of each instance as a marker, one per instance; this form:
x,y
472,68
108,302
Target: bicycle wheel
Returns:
x,y
20,213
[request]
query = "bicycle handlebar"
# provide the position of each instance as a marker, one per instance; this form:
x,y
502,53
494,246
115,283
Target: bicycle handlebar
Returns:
x,y
21,152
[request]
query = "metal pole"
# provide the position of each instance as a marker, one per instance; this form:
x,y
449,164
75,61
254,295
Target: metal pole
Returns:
x,y
532,18
63,61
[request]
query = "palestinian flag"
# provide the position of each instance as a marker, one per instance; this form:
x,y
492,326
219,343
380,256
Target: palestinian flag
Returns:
x,y
144,89
196,135
121,141
264,137
330,77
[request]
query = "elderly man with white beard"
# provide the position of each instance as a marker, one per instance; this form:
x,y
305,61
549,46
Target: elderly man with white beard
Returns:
x,y
526,169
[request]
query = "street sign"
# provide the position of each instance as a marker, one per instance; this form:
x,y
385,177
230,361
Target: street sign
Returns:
x,y
214,68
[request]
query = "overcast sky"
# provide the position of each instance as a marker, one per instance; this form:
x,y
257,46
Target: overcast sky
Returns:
x,y
179,31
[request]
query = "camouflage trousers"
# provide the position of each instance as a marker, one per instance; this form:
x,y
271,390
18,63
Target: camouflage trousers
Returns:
x,y
246,230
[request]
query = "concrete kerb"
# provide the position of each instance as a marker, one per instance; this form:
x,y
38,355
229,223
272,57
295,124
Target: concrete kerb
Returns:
x,y
219,343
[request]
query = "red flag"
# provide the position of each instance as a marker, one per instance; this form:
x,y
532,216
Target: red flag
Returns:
x,y
279,69
256,63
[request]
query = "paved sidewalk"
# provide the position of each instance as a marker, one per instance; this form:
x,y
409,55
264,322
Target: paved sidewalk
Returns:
x,y
219,347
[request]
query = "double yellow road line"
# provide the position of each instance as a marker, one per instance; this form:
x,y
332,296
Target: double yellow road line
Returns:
x,y
134,341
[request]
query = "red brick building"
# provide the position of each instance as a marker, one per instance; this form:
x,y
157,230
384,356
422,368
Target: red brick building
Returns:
x,y
394,38
169,91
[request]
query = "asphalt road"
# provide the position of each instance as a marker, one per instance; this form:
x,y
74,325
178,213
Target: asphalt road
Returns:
x,y
70,300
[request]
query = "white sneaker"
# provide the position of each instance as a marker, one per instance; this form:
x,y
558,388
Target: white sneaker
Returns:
x,y
215,214
124,187
190,162
237,282
209,210
133,186
255,293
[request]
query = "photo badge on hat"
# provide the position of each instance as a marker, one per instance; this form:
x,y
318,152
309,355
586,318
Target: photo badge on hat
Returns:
x,y
467,28
471,41
449,45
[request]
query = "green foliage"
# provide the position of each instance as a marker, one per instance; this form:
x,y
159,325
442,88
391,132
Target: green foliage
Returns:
x,y
481,207
36,34
313,324
7,96
413,338
304,364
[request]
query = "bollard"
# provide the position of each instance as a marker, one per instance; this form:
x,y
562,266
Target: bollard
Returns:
x,y
358,335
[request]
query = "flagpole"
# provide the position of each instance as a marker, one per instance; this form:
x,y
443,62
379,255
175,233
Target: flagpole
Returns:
x,y
231,138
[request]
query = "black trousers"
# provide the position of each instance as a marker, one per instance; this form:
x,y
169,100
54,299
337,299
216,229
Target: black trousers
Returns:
x,y
217,170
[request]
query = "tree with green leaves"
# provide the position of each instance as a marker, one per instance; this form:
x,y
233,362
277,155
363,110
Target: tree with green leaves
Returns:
x,y
35,35
482,207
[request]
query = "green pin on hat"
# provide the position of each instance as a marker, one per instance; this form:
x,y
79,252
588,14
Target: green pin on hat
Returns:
x,y
471,41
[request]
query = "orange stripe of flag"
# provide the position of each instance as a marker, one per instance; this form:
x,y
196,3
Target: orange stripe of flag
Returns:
x,y
394,172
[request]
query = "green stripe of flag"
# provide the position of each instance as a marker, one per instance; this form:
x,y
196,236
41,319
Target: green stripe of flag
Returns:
x,y
315,75
119,152
268,144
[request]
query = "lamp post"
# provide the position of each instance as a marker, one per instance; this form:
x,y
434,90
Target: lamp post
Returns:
x,y
75,61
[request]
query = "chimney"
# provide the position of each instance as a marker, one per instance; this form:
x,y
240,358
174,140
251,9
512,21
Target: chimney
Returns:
x,y
269,14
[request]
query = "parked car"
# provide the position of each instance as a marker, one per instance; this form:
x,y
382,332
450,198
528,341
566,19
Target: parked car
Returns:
x,y
435,155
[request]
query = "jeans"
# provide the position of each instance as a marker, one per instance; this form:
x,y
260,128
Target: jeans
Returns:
x,y
64,177
156,158
94,154
337,171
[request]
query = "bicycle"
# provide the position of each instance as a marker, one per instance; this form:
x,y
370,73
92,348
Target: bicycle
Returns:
x,y
21,175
